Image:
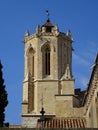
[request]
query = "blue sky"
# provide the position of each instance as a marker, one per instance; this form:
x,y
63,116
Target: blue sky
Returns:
x,y
16,16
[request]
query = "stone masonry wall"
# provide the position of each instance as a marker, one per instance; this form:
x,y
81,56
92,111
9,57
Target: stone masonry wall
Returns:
x,y
29,122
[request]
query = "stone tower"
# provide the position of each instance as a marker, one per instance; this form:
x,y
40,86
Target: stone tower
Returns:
x,y
48,80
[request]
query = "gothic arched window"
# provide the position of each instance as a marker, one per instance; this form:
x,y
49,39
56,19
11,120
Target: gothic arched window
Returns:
x,y
46,60
31,62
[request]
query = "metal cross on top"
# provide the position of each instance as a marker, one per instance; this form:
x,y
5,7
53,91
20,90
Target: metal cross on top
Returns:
x,y
47,13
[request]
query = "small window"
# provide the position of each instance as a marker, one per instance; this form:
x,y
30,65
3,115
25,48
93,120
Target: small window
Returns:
x,y
48,29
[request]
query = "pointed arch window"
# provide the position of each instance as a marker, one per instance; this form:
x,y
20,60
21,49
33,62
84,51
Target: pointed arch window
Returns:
x,y
31,90
31,62
47,61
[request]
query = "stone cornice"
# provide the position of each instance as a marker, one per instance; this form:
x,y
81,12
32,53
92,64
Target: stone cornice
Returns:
x,y
29,38
65,37
62,35
37,115
37,36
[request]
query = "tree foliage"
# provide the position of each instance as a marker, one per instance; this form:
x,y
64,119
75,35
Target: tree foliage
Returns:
x,y
3,98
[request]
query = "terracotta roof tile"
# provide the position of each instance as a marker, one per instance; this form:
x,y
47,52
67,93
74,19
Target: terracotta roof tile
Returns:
x,y
62,123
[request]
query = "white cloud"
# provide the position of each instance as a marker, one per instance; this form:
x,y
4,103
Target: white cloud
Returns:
x,y
80,60
91,50
83,81
86,55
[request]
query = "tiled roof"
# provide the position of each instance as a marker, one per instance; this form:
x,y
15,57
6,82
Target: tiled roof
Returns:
x,y
62,123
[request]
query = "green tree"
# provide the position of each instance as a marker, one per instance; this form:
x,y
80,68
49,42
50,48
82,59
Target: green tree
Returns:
x,y
3,98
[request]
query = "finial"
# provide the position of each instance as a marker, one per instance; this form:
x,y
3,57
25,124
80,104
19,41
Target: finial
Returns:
x,y
38,29
42,110
67,74
27,33
47,13
69,33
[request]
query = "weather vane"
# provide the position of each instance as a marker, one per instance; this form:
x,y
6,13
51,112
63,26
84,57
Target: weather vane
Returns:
x,y
47,13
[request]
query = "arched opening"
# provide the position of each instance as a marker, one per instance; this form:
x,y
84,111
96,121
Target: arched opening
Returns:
x,y
46,60
31,63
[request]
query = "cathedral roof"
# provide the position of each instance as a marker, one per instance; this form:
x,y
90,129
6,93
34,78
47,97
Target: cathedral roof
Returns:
x,y
48,24
93,70
93,82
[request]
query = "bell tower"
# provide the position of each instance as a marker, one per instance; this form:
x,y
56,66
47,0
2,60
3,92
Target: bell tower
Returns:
x,y
47,73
